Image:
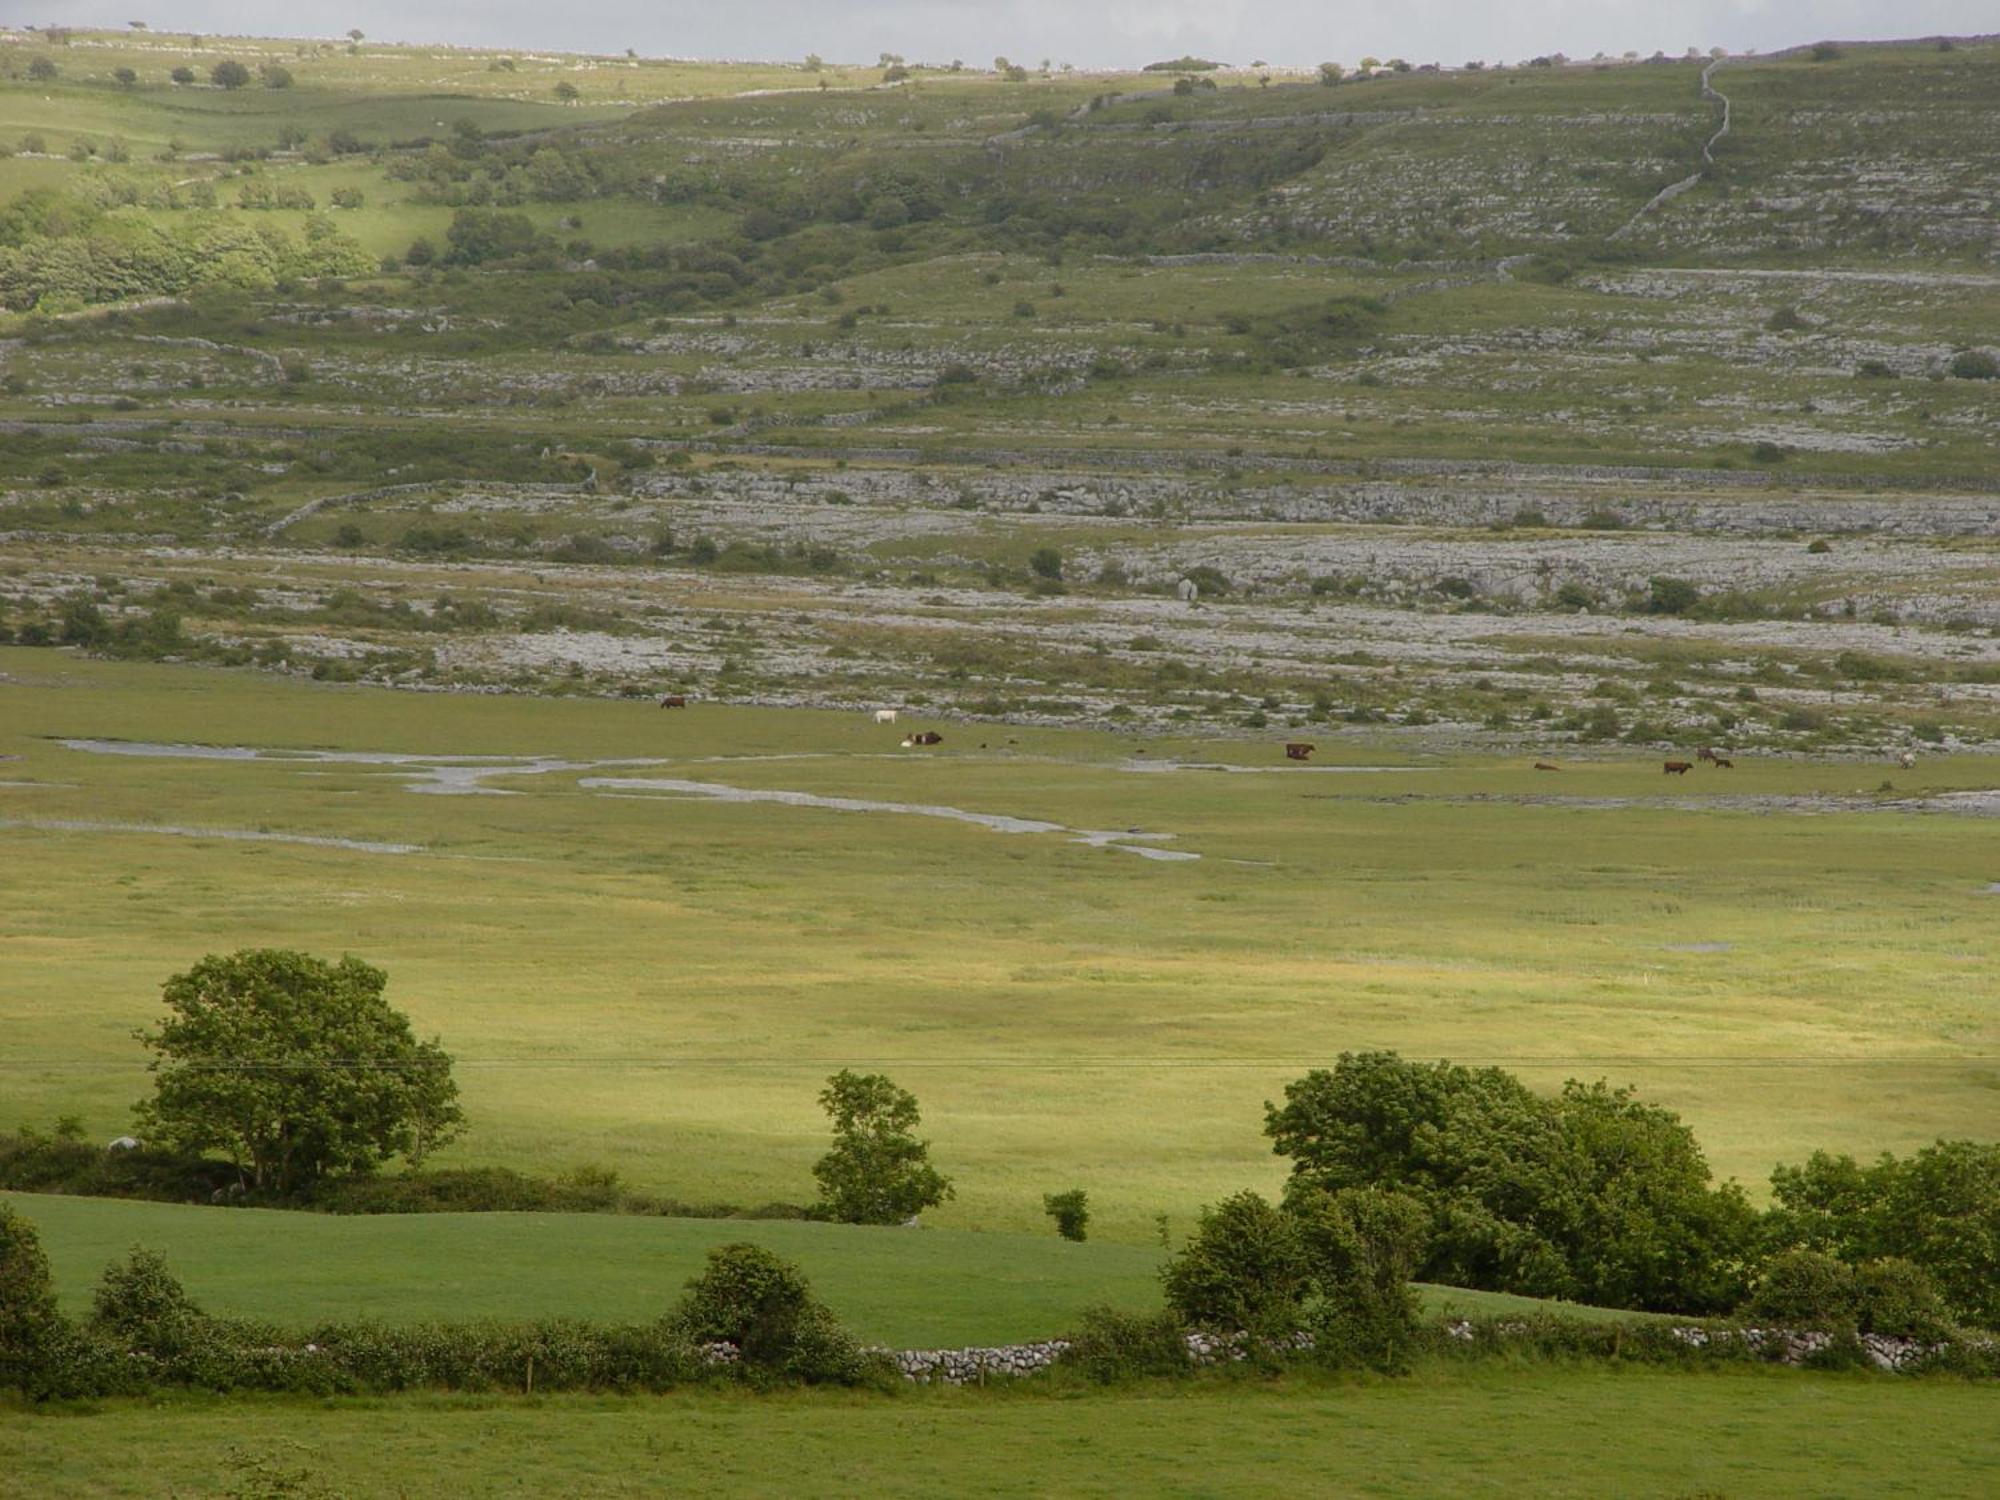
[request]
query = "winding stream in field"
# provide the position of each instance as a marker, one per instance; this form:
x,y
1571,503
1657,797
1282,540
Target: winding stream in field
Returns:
x,y
1131,841
465,775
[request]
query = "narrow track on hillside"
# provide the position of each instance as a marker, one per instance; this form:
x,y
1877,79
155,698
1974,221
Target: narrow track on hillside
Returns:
x,y
1673,190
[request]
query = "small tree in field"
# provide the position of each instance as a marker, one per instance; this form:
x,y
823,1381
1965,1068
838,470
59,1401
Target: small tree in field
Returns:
x,y
229,74
878,1172
297,1068
1070,1210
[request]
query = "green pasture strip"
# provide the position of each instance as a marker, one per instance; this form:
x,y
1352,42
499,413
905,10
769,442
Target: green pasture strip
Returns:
x,y
908,1288
1573,1434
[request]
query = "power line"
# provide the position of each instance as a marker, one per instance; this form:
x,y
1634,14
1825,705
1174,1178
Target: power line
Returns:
x,y
628,1062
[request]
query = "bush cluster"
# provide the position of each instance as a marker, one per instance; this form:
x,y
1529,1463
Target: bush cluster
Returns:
x,y
1590,1195
1593,1196
1336,1265
57,253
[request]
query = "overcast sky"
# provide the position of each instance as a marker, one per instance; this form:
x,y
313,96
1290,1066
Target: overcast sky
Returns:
x,y
1085,32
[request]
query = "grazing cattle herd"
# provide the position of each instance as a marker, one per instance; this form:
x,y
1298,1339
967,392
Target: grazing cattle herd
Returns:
x,y
1302,750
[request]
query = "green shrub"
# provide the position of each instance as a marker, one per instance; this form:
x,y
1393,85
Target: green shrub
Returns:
x,y
1861,667
1244,1270
29,1322
1804,1289
1900,1299
1974,364
1362,1246
83,623
141,1297
1070,1210
1671,596
1108,1346
760,1303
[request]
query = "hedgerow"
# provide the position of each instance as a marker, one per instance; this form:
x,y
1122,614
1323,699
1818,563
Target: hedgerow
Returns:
x,y
748,1316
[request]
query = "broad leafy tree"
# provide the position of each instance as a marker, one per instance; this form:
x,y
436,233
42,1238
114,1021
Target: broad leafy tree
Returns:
x,y
296,1068
1938,1208
878,1172
1590,1195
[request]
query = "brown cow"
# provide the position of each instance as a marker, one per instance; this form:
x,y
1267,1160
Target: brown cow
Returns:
x,y
926,737
1299,750
1706,752
674,700
1542,765
1679,767
1724,763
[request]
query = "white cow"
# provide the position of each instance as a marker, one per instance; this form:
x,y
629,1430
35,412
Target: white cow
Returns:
x,y
1907,760
1188,590
885,716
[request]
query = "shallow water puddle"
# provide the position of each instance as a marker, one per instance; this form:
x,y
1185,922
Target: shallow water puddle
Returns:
x,y
241,835
1289,769
440,775
1128,841
462,775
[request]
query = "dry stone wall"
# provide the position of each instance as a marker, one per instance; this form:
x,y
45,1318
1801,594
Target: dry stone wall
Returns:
x,y
979,1365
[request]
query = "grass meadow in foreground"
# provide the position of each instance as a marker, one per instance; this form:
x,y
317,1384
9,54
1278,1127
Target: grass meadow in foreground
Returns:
x,y
660,983
902,1288
1535,1430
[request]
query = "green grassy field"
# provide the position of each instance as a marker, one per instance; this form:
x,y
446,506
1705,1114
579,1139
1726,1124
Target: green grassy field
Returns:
x,y
774,399
659,983
900,1288
1546,1432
